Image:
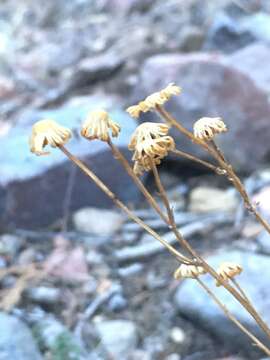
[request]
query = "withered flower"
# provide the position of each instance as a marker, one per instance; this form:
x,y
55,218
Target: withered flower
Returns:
x,y
188,271
206,128
228,270
151,144
47,132
157,98
147,131
98,125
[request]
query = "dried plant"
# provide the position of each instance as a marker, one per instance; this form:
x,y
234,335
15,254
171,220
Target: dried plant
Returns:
x,y
151,143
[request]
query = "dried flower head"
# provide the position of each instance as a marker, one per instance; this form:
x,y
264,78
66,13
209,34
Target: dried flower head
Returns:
x,y
188,271
206,128
157,98
154,148
151,144
228,270
98,125
147,131
47,132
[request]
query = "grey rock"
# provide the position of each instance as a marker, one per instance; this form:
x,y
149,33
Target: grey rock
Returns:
x,y
16,340
44,295
211,88
98,221
205,199
252,61
10,244
119,337
117,303
194,302
33,189
227,34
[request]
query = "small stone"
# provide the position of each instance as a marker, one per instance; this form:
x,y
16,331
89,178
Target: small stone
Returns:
x,y
119,337
173,357
117,303
27,256
206,199
177,335
45,295
16,340
10,244
192,39
130,270
97,221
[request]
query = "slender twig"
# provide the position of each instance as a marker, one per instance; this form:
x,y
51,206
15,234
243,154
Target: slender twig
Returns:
x,y
122,206
218,155
195,159
119,156
240,289
257,342
246,304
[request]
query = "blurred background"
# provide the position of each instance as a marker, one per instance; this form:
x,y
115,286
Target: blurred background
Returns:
x,y
106,289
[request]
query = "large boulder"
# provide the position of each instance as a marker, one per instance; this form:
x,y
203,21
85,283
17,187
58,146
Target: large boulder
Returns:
x,y
16,340
195,303
213,88
33,190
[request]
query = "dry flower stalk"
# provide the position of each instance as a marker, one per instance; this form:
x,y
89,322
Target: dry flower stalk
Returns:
x,y
151,143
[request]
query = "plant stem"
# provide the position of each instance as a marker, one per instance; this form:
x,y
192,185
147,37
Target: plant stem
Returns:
x,y
119,156
122,206
243,301
218,155
233,318
195,159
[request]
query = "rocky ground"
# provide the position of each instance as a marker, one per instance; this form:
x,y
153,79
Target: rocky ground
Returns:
x,y
106,289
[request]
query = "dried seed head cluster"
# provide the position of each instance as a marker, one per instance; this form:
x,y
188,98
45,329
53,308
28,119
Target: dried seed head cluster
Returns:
x,y
228,270
206,128
157,98
47,132
98,125
150,143
188,271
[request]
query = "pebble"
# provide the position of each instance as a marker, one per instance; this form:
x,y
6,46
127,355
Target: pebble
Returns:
x,y
130,270
16,340
45,295
117,303
119,337
177,335
173,357
206,199
98,221
10,244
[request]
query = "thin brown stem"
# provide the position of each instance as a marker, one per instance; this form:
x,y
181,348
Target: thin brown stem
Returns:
x,y
257,342
240,289
197,160
218,155
119,156
122,206
246,304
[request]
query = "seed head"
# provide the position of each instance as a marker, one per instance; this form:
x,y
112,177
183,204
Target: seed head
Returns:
x,y
188,271
147,131
206,128
150,144
228,270
157,98
47,132
98,125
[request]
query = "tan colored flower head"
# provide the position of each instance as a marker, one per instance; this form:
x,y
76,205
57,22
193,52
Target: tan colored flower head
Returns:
x,y
228,270
188,271
206,128
47,132
154,147
98,125
157,98
147,131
